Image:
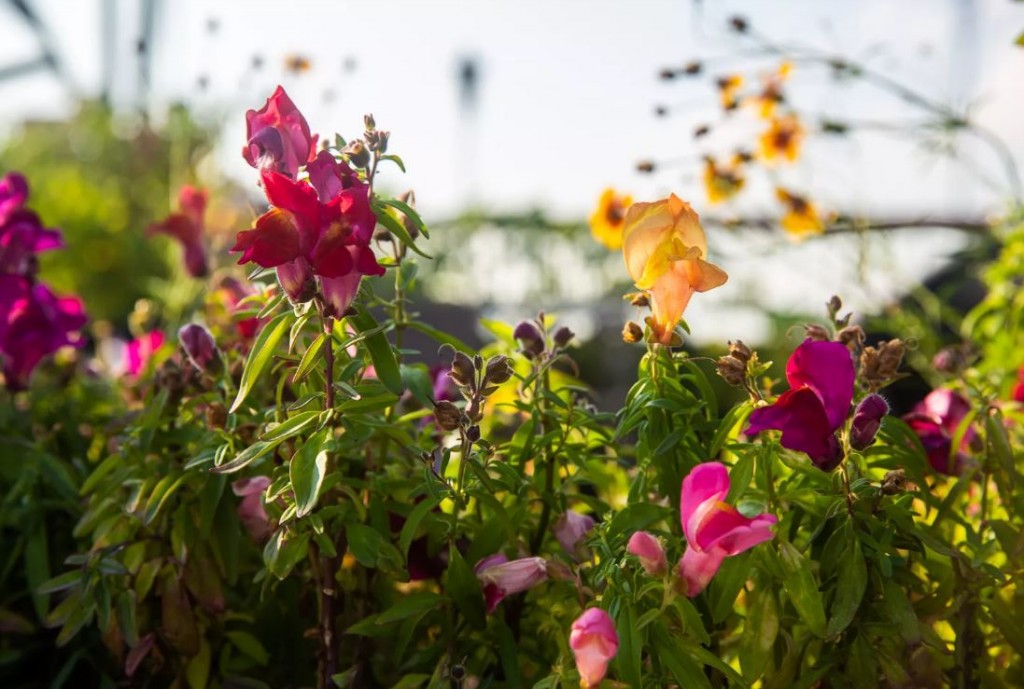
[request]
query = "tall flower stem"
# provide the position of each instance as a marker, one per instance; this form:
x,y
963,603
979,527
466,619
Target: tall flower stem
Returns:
x,y
328,566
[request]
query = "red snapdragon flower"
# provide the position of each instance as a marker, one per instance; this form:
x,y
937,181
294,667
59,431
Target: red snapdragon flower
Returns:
x,y
13,193
935,421
187,227
277,136
1018,389
821,379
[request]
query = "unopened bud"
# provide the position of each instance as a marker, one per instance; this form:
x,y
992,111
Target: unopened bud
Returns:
x,y
866,421
447,415
200,347
530,338
499,370
740,351
833,306
692,68
473,433
640,300
894,482
649,551
378,141
632,332
667,74
409,198
815,332
356,153
732,370
739,24
852,336
562,337
645,166
369,123
463,373
297,280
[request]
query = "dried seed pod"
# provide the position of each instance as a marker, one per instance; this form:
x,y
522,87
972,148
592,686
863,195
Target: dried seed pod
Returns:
x,y
447,415
817,333
731,369
632,332
740,351
499,370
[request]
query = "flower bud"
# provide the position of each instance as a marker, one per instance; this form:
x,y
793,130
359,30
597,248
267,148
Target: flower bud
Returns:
x,y
645,166
570,530
834,305
356,153
531,339
739,24
632,332
894,482
447,415
740,351
199,346
369,123
649,551
692,68
473,433
731,369
852,336
816,332
594,642
562,337
462,372
866,421
640,300
499,370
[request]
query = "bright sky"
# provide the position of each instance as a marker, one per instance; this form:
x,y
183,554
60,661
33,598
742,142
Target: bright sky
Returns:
x,y
567,96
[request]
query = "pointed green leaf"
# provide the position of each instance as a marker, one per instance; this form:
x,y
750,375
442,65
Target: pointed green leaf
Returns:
x,y
309,358
261,355
307,471
465,590
802,588
381,354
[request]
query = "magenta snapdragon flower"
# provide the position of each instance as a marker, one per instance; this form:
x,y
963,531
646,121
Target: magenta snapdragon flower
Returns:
x,y
13,194
935,420
502,577
277,136
34,323
594,642
821,380
714,529
187,226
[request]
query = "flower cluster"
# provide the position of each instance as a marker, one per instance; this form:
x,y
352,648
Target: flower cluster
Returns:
x,y
34,322
317,231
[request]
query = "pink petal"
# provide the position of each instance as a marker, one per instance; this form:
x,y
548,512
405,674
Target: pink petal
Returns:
x,y
826,368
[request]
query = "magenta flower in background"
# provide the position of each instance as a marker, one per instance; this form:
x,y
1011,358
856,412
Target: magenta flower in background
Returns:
x,y
21,238
867,419
34,323
13,193
501,577
277,136
187,226
649,551
935,421
199,346
594,642
821,380
570,530
1018,389
251,511
139,351
714,529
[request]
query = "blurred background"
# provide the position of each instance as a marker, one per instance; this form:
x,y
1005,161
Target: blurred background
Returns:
x,y
513,117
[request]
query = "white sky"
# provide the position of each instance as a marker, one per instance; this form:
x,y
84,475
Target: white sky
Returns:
x,y
566,100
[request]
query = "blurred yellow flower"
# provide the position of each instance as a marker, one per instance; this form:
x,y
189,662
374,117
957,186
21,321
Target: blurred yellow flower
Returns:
x,y
802,217
297,64
728,90
783,138
771,91
607,219
664,247
722,182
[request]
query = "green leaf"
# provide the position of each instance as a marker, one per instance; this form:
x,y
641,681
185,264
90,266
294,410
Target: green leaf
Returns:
x,y
291,427
442,337
381,354
61,582
850,587
197,672
636,517
802,588
309,358
1020,40
683,668
726,585
508,652
126,616
417,381
261,355
410,605
37,566
386,217
365,543
166,487
409,212
249,645
397,161
283,551
307,470
411,681
412,522
465,590
247,456
630,646
78,618
759,632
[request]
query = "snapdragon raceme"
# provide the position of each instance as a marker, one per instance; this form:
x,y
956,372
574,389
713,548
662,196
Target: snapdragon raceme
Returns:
x,y
821,379
714,529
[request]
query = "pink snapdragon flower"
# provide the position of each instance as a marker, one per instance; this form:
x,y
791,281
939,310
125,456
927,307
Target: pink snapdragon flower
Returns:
x,y
501,577
821,380
13,194
139,351
277,136
714,529
935,421
649,551
34,323
187,226
594,642
251,511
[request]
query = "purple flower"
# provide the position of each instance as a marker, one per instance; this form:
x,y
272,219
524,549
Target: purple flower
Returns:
x,y
867,420
22,236
34,323
935,420
821,379
501,577
570,530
